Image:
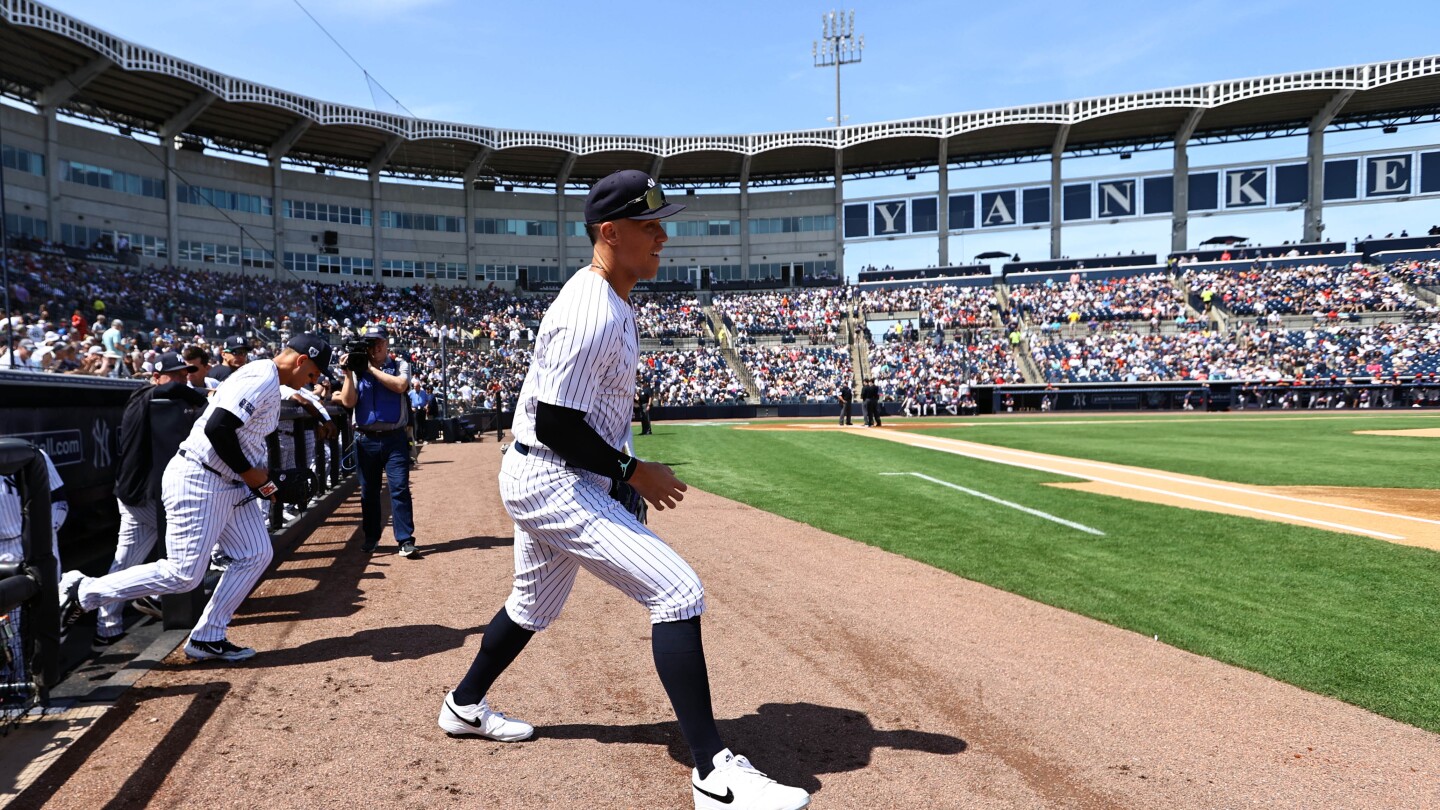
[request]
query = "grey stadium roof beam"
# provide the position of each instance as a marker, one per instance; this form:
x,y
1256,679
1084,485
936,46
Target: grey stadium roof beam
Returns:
x,y
40,47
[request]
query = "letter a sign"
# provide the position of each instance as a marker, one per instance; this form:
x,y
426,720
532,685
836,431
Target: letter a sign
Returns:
x,y
998,208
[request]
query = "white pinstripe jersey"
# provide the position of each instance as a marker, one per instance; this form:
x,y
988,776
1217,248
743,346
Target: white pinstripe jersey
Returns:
x,y
585,358
253,395
11,521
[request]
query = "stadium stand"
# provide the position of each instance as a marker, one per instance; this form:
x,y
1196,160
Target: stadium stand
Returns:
x,y
690,377
1302,290
788,374
1148,297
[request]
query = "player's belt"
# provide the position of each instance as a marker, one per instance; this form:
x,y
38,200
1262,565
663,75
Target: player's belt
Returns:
x,y
540,453
222,476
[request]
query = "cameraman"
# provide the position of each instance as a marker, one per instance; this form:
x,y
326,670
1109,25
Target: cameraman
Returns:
x,y
377,387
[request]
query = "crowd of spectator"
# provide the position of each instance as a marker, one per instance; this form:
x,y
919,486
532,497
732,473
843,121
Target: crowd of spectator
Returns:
x,y
816,313
669,315
1248,353
73,317
950,305
689,377
1146,297
1421,274
788,374
901,366
1304,290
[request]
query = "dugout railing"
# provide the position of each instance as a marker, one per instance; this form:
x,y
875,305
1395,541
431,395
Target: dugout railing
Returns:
x,y
29,600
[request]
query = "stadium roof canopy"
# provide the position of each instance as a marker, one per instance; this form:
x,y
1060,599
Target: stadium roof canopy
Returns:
x,y
49,59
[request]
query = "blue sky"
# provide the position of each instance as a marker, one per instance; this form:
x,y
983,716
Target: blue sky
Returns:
x,y
745,66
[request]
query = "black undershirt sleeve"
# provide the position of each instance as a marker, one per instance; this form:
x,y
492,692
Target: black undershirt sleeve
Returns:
x,y
220,430
565,431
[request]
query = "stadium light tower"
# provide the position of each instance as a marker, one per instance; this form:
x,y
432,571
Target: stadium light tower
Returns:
x,y
838,45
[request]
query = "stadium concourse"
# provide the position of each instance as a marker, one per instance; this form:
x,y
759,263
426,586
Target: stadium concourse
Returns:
x,y
338,708
927,340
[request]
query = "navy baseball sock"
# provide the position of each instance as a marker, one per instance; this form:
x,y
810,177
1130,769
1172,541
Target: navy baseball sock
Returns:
x,y
680,661
503,640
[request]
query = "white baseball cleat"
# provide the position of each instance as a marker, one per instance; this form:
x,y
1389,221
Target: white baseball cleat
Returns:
x,y
478,721
736,785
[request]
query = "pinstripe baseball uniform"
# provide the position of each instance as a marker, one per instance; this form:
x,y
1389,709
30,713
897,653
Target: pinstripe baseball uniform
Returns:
x,y
12,522
585,358
206,503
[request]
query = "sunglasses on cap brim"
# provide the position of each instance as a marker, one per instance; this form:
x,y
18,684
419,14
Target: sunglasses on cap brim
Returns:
x,y
654,199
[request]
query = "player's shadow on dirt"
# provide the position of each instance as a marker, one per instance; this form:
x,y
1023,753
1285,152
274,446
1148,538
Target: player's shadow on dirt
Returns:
x,y
382,645
388,549
474,541
150,773
337,590
791,742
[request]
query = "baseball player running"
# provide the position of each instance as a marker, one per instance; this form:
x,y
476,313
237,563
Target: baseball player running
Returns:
x,y
138,527
573,413
206,491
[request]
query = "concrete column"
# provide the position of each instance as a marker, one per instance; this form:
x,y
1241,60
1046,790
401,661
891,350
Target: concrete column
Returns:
x,y
470,253
1180,200
839,210
1057,209
277,190
1180,184
1315,192
378,248
942,205
471,173
744,219
172,200
562,239
1315,163
52,172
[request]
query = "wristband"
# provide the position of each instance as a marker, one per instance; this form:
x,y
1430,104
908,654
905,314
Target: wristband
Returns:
x,y
627,467
267,489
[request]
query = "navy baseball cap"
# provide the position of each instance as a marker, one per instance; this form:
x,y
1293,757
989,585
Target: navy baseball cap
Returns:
x,y
170,361
312,346
236,343
627,194
376,331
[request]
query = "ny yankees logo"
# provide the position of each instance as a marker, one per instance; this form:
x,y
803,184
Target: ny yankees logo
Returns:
x,y
100,432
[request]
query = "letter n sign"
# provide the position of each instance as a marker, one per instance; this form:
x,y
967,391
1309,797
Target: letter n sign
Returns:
x,y
1246,188
890,218
1117,198
1387,176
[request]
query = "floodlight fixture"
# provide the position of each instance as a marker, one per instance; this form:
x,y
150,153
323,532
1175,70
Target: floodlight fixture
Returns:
x,y
838,45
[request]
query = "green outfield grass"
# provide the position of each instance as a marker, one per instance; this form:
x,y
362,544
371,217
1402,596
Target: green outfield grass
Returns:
x,y
1336,614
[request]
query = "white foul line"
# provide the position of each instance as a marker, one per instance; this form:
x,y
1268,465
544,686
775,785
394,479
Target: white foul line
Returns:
x,y
1027,510
960,451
